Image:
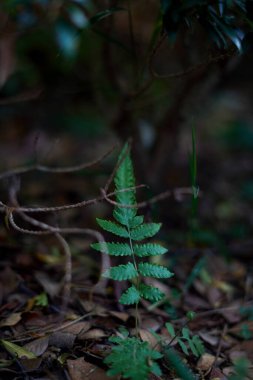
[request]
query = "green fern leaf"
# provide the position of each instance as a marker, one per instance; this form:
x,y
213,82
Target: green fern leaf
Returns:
x,y
112,227
136,221
145,230
120,216
152,270
151,293
121,272
130,296
132,358
149,249
124,179
113,249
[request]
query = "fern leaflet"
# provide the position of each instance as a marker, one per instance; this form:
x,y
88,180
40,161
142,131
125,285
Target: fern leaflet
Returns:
x,y
130,296
145,230
112,227
114,249
152,270
151,293
149,249
121,272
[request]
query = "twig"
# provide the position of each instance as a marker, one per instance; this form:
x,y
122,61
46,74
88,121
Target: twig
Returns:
x,y
47,229
187,71
5,207
223,333
177,193
48,169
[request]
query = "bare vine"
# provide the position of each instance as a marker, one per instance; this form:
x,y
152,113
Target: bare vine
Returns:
x,y
39,228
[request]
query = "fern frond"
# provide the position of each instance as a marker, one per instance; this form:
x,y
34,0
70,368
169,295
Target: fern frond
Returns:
x,y
153,270
145,230
124,179
113,249
133,359
149,249
121,272
112,227
130,296
150,293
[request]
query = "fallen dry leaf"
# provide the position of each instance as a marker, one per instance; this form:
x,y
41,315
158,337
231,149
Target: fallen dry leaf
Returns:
x,y
11,320
147,336
79,369
120,315
213,340
38,346
93,334
78,328
205,362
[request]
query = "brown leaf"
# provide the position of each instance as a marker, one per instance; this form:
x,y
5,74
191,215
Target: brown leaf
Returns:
x,y
146,336
38,346
79,369
31,364
11,320
205,362
78,328
213,340
93,334
120,315
95,308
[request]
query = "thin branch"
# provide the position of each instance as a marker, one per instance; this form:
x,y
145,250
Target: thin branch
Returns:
x,y
47,229
187,71
6,208
48,169
177,193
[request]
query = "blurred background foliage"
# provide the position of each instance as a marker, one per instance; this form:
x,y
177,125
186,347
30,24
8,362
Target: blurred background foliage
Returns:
x,y
100,71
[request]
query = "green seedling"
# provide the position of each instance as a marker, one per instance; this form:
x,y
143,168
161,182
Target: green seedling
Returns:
x,y
186,341
132,358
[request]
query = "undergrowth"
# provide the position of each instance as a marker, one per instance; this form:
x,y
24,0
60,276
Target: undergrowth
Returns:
x,y
130,356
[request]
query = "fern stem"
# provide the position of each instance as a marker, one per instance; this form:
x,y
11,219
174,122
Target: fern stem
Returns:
x,y
137,315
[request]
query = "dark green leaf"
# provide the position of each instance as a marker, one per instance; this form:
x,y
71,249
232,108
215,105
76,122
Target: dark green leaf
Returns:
x,y
145,230
130,296
153,270
151,293
114,249
112,227
121,272
149,249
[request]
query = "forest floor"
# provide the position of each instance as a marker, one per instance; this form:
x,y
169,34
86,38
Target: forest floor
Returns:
x,y
50,330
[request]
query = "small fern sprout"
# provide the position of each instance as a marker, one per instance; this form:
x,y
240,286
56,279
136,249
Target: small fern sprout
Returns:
x,y
130,226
